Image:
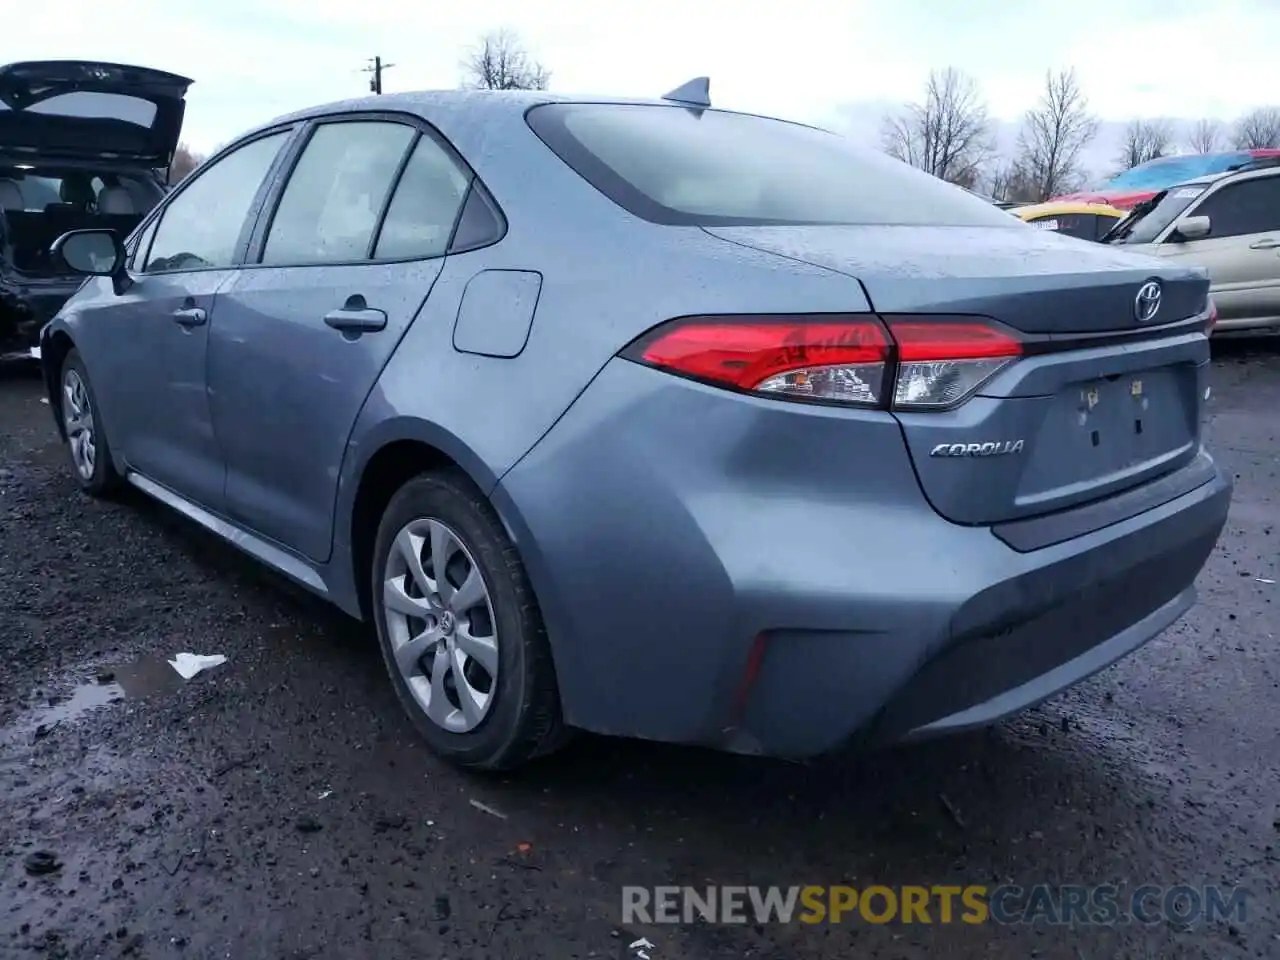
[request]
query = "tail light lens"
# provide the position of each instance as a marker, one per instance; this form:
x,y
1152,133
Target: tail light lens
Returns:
x,y
943,364
1213,318
852,359
818,358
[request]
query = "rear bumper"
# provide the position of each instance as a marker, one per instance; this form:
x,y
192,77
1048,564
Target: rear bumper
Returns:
x,y
744,574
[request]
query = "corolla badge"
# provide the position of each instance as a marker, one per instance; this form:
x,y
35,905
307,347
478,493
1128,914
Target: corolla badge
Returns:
x,y
991,448
1147,303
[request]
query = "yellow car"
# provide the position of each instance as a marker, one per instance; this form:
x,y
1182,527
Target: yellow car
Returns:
x,y
1088,221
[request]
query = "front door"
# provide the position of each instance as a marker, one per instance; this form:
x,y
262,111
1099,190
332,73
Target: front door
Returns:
x,y
1242,251
155,336
348,261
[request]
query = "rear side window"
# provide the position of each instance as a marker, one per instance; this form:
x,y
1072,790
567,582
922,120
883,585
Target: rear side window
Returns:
x,y
335,195
1070,224
675,165
424,207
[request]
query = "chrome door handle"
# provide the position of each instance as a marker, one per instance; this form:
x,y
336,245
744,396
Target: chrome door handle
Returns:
x,y
1266,243
190,316
355,317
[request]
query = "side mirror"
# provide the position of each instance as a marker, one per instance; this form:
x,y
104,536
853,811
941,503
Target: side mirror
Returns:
x,y
1192,228
94,253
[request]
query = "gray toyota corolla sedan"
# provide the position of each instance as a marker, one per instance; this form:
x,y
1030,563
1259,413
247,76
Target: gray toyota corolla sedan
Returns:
x,y
652,419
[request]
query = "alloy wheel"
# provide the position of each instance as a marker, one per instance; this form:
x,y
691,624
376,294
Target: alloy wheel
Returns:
x,y
440,623
77,417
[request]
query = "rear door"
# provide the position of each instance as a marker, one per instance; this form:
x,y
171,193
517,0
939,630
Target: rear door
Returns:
x,y
79,109
1242,251
346,261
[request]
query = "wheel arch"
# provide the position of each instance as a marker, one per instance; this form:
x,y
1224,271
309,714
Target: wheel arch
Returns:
x,y
389,455
57,345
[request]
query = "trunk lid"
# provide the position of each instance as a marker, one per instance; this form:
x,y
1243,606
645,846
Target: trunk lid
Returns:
x,y
83,110
1104,400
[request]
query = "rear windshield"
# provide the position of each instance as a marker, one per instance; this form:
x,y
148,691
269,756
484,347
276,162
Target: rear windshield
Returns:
x,y
676,165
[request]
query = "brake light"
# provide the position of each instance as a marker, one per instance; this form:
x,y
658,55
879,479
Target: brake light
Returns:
x,y
1213,318
913,364
831,357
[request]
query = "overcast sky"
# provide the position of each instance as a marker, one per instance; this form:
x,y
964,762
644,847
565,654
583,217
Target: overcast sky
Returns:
x,y
840,63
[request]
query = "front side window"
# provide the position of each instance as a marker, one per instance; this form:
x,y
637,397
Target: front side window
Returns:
x,y
674,165
335,195
201,227
1241,209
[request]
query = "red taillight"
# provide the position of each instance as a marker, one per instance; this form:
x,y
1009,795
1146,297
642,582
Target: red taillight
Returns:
x,y
825,357
1213,318
916,363
924,341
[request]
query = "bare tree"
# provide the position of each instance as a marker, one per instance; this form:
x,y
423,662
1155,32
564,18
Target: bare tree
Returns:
x,y
184,161
1206,135
1144,140
499,61
1053,134
948,134
1258,129
1007,181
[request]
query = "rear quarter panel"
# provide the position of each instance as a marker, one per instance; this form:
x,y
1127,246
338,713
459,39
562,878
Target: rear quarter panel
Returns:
x,y
606,278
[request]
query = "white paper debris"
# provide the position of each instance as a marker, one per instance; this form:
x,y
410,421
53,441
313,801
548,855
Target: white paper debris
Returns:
x,y
324,795
189,664
35,352
1264,580
45,401
488,809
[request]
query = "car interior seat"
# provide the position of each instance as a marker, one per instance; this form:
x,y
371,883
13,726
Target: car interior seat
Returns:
x,y
11,202
117,210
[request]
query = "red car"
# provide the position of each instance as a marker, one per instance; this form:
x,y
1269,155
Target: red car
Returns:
x,y
1147,179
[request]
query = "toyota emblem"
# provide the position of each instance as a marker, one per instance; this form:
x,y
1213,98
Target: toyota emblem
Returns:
x,y
1147,303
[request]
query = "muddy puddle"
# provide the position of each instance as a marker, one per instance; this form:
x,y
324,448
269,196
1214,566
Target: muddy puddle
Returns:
x,y
137,679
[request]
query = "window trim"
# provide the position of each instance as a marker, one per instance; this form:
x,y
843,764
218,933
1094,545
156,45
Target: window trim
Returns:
x,y
140,232
251,215
1193,208
271,203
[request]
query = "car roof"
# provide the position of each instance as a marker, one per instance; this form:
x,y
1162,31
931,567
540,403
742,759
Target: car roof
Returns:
x,y
461,102
1066,207
471,108
1248,174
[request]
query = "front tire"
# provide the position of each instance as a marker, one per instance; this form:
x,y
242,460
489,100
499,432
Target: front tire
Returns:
x,y
460,628
91,463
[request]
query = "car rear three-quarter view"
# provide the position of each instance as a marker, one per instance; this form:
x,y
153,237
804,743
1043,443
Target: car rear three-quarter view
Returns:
x,y
654,420
897,465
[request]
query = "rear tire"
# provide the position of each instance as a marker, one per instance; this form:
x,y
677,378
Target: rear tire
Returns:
x,y
495,704
91,463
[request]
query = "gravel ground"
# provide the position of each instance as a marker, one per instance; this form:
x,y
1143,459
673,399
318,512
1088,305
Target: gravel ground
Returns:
x,y
279,805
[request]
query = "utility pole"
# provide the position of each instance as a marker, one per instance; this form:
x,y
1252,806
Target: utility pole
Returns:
x,y
376,66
